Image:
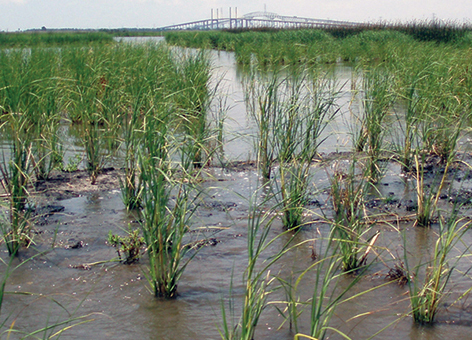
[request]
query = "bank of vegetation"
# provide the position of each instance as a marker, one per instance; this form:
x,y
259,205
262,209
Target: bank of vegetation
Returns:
x,y
330,45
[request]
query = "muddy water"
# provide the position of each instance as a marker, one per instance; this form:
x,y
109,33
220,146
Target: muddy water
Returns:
x,y
115,298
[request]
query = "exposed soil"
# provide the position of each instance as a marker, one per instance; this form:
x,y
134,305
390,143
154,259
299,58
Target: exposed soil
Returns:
x,y
63,185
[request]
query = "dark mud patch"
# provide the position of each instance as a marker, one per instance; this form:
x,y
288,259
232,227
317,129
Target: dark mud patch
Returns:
x,y
462,197
64,185
45,214
219,206
241,166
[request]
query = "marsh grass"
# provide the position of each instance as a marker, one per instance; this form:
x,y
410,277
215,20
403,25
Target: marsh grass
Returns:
x,y
325,273
263,104
257,280
446,140
193,97
15,178
162,104
43,113
36,39
291,114
411,92
351,231
377,101
92,142
358,43
16,100
326,298
295,149
445,110
131,184
426,295
291,310
294,181
167,209
308,108
30,95
164,228
427,195
85,86
132,125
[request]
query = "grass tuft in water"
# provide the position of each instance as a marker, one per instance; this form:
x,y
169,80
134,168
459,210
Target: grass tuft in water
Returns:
x,y
15,177
351,232
167,209
377,100
427,294
257,280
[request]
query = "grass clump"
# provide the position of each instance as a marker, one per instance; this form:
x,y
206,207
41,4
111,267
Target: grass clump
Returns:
x,y
351,232
193,99
291,114
16,166
263,104
166,209
377,101
257,281
427,294
307,110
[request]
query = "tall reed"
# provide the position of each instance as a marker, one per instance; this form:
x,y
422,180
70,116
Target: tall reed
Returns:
x,y
442,135
427,294
165,218
377,100
256,280
263,104
132,184
351,232
87,84
412,93
44,113
137,105
30,85
445,110
15,167
307,107
15,177
193,96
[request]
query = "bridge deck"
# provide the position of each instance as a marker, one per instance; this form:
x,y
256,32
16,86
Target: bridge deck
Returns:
x,y
257,20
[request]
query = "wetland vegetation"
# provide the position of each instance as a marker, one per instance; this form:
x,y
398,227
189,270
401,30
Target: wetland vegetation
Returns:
x,y
345,189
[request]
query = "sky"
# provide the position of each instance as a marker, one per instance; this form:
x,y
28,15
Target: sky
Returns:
x,y
28,14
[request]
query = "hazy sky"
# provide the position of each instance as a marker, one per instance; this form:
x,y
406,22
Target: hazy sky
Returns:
x,y
25,14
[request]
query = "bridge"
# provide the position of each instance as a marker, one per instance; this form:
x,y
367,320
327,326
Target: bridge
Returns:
x,y
258,20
